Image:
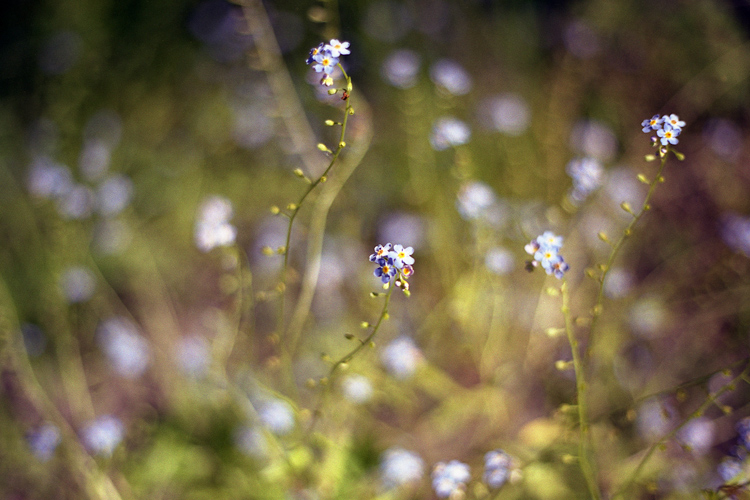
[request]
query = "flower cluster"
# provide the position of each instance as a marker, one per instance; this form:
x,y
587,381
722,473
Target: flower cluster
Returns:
x,y
325,57
667,127
393,261
733,468
400,467
545,249
497,468
450,478
587,175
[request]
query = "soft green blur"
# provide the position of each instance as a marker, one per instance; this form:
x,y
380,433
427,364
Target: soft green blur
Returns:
x,y
200,99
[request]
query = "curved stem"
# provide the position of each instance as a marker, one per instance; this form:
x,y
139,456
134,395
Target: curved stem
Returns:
x,y
348,357
286,351
627,232
584,443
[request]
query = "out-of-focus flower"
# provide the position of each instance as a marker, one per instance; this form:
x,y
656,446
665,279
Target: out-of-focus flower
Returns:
x,y
251,442
43,441
277,415
499,260
401,357
48,179
93,161
399,467
125,348
401,68
212,227
724,137
497,465
735,231
449,132
655,419
77,203
193,355
508,113
698,435
587,175
114,194
77,284
103,435
451,76
476,200
357,388
729,468
618,284
450,477
593,139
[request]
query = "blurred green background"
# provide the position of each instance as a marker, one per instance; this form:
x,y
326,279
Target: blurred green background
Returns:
x,y
139,363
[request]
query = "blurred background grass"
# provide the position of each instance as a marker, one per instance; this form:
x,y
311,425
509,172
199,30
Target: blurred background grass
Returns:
x,y
118,119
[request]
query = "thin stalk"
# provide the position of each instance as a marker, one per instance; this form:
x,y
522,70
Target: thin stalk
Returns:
x,y
348,357
627,232
584,443
286,352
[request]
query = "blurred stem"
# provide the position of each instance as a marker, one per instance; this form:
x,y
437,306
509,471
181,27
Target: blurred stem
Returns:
x,y
584,444
317,229
349,356
243,303
287,349
599,305
712,399
15,362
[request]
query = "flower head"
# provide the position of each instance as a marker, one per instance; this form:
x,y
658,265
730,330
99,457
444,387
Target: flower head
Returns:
x,y
324,61
314,52
393,261
497,465
450,477
401,256
385,270
668,134
103,435
399,467
653,123
674,121
545,249
381,252
337,48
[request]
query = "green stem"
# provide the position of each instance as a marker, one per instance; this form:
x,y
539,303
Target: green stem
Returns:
x,y
598,307
584,444
286,352
349,356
